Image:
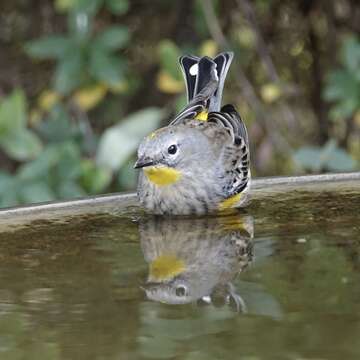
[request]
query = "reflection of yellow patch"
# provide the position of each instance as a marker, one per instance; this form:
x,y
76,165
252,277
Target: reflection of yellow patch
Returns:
x,y
165,267
162,175
230,202
233,223
202,116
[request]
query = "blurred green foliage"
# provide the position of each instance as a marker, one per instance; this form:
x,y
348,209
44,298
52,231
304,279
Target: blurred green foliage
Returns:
x,y
101,74
16,140
84,57
343,85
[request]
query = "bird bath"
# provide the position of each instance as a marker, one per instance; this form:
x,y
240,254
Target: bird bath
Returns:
x,y
99,279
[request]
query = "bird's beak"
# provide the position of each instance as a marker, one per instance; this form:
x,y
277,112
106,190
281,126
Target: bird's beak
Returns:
x,y
143,162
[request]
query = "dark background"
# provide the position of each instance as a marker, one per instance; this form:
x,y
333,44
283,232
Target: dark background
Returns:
x,y
82,81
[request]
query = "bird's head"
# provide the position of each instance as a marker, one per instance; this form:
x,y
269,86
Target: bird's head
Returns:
x,y
172,152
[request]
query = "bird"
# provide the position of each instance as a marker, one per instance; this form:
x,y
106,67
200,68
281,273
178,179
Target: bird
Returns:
x,y
195,259
200,162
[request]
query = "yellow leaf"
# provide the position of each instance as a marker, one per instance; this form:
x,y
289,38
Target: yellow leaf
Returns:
x,y
209,48
35,117
247,37
167,84
119,87
87,98
47,99
64,5
270,92
357,118
297,48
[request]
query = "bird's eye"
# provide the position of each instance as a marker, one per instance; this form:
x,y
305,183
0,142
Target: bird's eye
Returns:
x,y
180,290
172,149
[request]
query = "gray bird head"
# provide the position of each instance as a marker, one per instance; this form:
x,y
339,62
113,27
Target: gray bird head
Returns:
x,y
178,147
181,290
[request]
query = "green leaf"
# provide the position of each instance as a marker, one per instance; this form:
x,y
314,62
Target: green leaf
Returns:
x,y
308,157
50,47
65,5
90,7
341,161
5,181
57,127
127,176
344,109
70,189
343,89
169,54
114,37
118,7
105,67
36,192
21,145
68,166
8,189
94,179
341,85
40,167
120,141
329,157
17,141
10,198
335,158
351,54
69,72
80,25
12,112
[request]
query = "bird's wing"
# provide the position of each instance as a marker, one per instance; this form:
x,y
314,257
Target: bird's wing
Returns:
x,y
235,155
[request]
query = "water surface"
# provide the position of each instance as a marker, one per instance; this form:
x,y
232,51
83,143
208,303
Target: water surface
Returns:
x,y
279,280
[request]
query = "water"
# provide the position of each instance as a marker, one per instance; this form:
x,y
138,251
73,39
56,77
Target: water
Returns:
x,y
279,280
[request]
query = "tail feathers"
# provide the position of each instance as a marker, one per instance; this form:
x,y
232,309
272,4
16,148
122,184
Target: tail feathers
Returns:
x,y
206,75
206,84
198,72
223,62
189,67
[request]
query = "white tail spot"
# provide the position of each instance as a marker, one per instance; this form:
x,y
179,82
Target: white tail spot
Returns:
x,y
194,70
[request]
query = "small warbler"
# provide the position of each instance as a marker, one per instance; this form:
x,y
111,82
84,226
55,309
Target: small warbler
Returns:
x,y
199,163
195,259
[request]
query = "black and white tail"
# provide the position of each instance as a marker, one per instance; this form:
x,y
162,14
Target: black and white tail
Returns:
x,y
204,78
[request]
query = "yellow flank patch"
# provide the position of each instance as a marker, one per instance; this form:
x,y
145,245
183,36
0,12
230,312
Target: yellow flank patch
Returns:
x,y
152,135
202,116
165,267
230,202
162,175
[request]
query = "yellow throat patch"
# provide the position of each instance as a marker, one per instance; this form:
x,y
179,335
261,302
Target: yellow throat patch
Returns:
x,y
165,267
202,116
162,175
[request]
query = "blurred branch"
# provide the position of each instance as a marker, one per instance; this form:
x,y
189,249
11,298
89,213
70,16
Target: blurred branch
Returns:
x,y
264,118
261,47
317,87
264,54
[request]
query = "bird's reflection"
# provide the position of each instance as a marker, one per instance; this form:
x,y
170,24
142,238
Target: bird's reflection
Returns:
x,y
195,260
